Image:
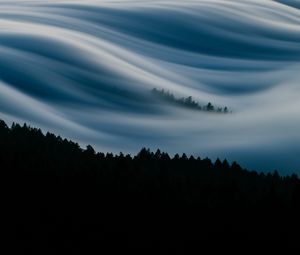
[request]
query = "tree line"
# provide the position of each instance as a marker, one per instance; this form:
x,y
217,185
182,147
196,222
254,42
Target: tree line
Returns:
x,y
188,102
61,197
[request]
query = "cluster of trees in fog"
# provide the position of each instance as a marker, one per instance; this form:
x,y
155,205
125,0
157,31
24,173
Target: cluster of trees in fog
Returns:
x,y
188,102
64,196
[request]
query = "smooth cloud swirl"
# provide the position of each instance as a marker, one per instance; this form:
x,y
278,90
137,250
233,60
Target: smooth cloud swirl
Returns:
x,y
85,69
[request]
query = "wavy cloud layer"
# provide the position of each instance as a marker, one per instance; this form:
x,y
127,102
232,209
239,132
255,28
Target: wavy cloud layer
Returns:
x,y
85,69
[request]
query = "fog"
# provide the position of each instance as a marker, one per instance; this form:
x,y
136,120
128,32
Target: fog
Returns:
x,y
85,70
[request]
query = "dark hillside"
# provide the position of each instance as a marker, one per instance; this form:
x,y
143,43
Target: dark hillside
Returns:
x,y
63,199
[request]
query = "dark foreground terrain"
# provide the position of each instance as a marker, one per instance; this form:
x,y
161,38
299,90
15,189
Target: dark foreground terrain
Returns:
x,y
60,198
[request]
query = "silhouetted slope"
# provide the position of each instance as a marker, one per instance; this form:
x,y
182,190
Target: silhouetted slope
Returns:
x,y
61,198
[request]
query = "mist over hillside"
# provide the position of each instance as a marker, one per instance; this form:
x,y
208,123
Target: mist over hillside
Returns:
x,y
85,70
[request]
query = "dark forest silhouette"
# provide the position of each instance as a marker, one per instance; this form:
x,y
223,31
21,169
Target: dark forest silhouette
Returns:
x,y
64,198
188,102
